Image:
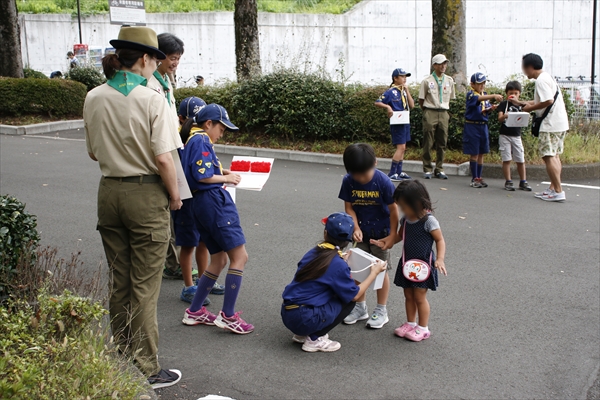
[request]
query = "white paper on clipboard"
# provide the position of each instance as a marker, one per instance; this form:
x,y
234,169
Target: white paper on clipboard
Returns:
x,y
184,189
360,263
400,118
252,180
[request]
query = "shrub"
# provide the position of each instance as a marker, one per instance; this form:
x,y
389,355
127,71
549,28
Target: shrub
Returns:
x,y
221,94
32,73
54,97
18,235
88,75
292,105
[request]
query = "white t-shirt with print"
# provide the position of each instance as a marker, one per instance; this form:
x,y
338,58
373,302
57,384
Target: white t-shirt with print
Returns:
x,y
557,119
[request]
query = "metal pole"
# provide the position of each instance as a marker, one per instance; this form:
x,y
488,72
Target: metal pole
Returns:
x,y
79,21
594,14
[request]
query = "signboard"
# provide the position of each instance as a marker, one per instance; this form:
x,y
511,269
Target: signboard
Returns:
x,y
127,12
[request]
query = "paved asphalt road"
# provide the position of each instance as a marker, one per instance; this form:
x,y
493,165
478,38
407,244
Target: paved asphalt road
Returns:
x,y
517,316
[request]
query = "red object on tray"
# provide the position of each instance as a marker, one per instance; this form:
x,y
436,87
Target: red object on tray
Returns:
x,y
261,166
240,166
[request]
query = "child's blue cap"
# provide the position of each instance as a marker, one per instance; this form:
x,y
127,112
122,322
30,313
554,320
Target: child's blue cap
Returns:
x,y
215,112
339,226
400,72
478,77
190,106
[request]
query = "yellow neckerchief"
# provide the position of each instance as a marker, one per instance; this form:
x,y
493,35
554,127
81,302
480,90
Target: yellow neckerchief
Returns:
x,y
402,96
482,102
199,131
329,246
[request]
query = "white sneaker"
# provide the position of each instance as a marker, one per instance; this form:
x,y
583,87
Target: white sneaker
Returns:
x,y
553,196
546,192
378,319
321,344
302,339
357,314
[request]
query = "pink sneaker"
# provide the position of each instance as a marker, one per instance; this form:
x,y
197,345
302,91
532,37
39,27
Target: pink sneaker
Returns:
x,y
416,335
402,330
235,323
202,316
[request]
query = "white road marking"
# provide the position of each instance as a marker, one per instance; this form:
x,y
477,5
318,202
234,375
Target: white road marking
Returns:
x,y
575,186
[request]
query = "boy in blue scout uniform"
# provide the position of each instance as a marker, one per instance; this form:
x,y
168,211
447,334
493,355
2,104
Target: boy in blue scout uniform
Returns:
x,y
368,196
187,236
217,221
397,98
476,140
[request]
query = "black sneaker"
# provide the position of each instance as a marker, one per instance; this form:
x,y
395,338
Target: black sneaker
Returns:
x,y
482,183
509,186
164,378
441,175
177,275
524,186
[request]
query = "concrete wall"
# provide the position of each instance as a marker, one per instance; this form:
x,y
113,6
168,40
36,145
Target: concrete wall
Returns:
x,y
363,45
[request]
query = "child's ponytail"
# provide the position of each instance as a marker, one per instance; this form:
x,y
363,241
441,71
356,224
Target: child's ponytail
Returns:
x,y
185,130
326,252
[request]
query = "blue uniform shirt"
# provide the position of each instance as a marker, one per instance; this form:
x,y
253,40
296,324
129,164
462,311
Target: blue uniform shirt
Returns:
x,y
199,161
395,98
335,285
370,203
474,107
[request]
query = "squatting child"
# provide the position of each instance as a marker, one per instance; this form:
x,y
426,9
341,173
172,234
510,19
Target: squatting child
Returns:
x,y
368,196
322,292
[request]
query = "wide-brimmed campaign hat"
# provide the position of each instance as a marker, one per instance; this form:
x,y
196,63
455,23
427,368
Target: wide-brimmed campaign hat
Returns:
x,y
138,38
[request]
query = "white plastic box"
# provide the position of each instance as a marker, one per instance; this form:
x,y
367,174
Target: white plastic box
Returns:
x,y
360,266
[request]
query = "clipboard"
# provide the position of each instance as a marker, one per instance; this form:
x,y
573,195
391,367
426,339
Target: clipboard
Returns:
x,y
400,118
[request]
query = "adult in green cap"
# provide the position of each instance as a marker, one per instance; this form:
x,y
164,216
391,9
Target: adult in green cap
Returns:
x,y
434,98
129,131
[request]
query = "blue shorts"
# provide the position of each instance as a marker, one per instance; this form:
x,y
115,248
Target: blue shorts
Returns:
x,y
476,139
186,232
400,134
217,220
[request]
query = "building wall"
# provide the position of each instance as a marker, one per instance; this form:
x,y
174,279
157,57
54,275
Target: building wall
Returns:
x,y
363,45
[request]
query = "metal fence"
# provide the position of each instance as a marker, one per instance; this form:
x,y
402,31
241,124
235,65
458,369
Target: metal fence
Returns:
x,y
585,98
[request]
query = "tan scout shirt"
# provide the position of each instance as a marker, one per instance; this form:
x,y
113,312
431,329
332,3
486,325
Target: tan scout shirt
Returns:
x,y
155,85
429,92
125,133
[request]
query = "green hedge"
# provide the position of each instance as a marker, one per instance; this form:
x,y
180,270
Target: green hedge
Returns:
x,y
296,106
88,75
54,97
32,73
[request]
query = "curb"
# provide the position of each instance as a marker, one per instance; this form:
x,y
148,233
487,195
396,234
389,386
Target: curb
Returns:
x,y
538,172
37,129
330,159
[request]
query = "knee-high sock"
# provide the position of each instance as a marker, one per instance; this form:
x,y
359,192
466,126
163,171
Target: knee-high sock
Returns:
x,y
479,170
399,168
233,283
205,285
394,168
473,165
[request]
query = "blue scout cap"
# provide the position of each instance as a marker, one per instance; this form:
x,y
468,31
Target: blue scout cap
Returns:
x,y
215,112
478,77
340,226
190,106
400,72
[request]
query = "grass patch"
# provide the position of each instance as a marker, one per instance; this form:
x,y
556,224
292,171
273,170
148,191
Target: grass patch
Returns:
x,y
582,146
30,119
178,6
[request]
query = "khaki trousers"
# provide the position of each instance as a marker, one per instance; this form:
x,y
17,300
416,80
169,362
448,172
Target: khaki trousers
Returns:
x,y
133,220
435,136
172,260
